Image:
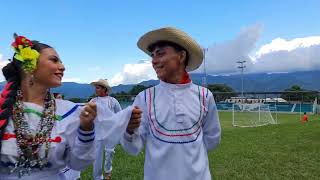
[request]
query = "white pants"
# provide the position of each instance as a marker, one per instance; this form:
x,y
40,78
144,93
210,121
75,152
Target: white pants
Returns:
x,y
97,165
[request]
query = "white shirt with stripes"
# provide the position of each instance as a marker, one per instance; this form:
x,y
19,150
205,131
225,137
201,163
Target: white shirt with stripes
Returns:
x,y
180,124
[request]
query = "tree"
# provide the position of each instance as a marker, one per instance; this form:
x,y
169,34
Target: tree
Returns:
x,y
296,93
126,97
221,91
77,100
137,89
91,97
122,96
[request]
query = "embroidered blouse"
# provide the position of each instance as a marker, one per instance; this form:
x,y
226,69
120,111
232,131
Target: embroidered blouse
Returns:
x,y
69,145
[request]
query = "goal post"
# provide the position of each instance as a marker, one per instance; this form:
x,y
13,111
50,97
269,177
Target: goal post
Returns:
x,y
251,115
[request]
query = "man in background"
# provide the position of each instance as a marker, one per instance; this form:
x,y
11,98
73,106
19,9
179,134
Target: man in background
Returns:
x,y
106,107
58,95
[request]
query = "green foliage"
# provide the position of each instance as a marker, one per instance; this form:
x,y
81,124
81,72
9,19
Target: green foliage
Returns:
x,y
91,97
137,89
296,93
127,97
78,100
221,91
122,96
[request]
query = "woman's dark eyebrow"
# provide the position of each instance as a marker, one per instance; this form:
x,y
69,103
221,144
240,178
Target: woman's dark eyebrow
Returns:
x,y
54,56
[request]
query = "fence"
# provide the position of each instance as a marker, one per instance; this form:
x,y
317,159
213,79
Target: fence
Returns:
x,y
286,101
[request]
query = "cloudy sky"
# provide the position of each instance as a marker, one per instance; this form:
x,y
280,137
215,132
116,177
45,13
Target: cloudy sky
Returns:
x,y
97,39
278,55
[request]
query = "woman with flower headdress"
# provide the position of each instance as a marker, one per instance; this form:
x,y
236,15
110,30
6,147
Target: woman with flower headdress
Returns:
x,y
34,135
40,135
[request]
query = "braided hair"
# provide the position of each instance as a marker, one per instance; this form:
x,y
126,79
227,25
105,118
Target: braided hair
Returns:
x,y
12,73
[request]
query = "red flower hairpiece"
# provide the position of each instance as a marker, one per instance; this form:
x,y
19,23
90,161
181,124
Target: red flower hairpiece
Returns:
x,y
21,40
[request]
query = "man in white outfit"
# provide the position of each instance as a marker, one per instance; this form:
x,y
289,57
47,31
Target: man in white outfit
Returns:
x,y
180,122
106,107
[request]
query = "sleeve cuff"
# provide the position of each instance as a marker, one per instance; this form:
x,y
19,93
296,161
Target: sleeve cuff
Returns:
x,y
130,137
86,136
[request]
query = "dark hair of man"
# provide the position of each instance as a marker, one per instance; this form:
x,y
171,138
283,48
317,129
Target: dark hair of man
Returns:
x,y
175,46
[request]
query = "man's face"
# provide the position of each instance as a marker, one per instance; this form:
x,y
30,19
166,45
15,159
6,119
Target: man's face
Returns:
x,y
100,91
59,96
166,61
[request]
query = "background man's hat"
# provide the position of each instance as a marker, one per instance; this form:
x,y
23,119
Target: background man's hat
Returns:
x,y
103,83
177,36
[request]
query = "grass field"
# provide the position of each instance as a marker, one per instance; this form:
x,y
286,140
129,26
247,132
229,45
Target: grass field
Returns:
x,y
288,150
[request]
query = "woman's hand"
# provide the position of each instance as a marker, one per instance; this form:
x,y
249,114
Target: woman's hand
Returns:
x,y
135,120
87,116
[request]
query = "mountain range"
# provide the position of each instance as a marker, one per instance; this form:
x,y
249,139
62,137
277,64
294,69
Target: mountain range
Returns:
x,y
265,82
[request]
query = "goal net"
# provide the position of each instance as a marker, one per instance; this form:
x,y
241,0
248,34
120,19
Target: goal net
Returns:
x,y
251,115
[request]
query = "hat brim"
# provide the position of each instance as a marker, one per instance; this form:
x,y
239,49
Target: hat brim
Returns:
x,y
177,36
101,84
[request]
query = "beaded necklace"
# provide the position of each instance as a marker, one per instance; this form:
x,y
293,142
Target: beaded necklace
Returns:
x,y
28,144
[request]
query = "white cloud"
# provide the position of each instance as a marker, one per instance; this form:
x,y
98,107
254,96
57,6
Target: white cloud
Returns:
x,y
280,44
280,55
221,58
298,59
134,73
3,62
299,54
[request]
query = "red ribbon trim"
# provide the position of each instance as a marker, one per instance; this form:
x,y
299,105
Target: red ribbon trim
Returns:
x,y
7,136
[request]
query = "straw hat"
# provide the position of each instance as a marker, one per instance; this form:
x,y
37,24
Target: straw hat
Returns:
x,y
177,36
103,83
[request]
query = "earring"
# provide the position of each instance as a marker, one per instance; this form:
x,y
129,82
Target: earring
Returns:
x,y
31,81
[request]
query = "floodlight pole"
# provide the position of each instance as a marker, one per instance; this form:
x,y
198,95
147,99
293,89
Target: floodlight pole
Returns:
x,y
241,66
204,79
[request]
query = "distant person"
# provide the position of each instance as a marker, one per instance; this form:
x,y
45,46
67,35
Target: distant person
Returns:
x,y
106,106
304,117
58,95
180,122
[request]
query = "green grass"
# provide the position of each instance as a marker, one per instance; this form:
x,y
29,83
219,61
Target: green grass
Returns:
x,y
288,150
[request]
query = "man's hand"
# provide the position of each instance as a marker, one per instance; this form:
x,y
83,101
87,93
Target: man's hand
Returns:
x,y
87,116
135,120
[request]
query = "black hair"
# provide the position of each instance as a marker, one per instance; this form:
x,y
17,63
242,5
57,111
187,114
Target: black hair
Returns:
x,y
176,47
12,73
56,94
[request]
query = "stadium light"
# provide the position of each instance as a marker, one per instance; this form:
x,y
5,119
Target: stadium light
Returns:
x,y
241,66
204,78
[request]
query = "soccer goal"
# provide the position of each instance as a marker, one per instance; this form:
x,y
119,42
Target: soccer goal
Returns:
x,y
251,115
